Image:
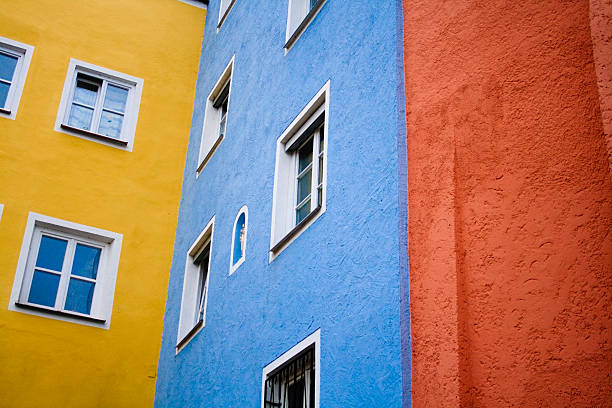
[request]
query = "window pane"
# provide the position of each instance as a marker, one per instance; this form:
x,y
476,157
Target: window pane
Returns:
x,y
80,117
305,156
302,212
7,66
51,253
4,90
303,187
313,3
44,288
239,239
110,124
86,93
222,125
86,260
80,295
320,169
115,98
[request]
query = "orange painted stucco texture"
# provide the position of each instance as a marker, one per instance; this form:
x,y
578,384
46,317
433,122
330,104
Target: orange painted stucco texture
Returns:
x,y
510,206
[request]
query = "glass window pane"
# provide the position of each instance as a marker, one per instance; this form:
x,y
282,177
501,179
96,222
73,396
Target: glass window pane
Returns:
x,y
302,212
222,125
7,66
86,93
43,290
313,3
86,260
80,117
305,156
51,253
303,187
110,124
115,98
80,295
4,90
239,239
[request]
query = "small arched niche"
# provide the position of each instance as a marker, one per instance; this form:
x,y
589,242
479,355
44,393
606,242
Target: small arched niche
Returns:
x,y
239,237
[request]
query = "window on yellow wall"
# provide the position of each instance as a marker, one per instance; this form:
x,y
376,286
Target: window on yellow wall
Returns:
x,y
67,270
100,104
15,60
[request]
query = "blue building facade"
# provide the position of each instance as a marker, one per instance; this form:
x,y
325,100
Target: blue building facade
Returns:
x,y
290,258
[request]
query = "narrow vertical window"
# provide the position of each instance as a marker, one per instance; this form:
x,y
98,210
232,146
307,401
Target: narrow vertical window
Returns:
x,y
216,117
195,287
300,174
239,238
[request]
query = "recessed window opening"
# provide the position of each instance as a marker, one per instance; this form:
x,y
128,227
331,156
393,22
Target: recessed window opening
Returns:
x,y
216,115
293,384
98,106
292,380
224,9
300,173
195,287
239,238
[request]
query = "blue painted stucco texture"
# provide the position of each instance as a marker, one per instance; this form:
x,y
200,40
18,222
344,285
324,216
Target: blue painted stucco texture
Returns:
x,y
342,274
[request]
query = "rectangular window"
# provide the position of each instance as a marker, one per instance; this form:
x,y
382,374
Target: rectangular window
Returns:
x,y
195,287
300,174
100,104
214,129
15,60
67,270
292,380
301,13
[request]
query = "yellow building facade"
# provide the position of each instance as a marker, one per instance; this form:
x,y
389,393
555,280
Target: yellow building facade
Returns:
x,y
96,99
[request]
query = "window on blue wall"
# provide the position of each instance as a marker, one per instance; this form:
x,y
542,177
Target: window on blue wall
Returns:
x,y
239,237
214,129
300,174
195,287
301,13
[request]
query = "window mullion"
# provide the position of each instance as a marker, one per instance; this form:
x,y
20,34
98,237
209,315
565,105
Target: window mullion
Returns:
x,y
98,109
62,291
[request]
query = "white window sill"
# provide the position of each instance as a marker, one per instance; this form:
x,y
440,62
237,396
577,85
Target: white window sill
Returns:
x,y
94,135
189,336
209,155
49,310
295,232
303,25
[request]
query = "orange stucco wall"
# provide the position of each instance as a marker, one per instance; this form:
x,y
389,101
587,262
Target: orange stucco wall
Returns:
x,y
510,206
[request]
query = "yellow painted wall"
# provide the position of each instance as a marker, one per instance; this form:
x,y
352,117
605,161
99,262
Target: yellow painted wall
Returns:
x,y
51,363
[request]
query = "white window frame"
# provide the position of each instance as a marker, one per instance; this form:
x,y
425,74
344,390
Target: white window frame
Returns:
x,y
211,139
283,227
109,242
244,210
1,210
225,6
189,326
23,52
299,17
128,128
313,339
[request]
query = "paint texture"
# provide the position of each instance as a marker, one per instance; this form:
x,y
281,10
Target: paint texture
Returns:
x,y
52,363
342,274
510,207
601,34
